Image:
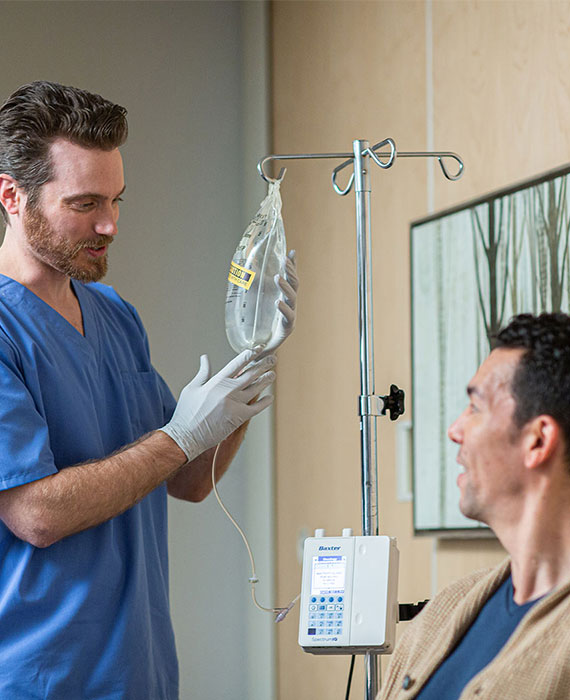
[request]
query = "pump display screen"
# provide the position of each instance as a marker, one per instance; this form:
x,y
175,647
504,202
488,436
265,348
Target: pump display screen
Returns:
x,y
328,575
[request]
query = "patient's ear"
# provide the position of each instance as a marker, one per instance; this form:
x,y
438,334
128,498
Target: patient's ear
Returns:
x,y
542,439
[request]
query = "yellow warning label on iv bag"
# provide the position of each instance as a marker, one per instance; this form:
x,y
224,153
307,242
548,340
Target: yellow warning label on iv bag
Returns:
x,y
240,275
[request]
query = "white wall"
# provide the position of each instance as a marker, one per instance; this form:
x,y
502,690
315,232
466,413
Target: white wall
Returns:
x,y
198,123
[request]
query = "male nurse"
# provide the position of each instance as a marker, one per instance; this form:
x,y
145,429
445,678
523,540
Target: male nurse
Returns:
x,y
91,439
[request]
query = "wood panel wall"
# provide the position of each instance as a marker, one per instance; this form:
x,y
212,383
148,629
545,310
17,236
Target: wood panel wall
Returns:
x,y
498,94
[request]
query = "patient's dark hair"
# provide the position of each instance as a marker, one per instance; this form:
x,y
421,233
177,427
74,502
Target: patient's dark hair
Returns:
x,y
541,382
37,114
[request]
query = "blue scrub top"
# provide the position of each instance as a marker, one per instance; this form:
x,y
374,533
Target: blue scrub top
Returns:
x,y
87,618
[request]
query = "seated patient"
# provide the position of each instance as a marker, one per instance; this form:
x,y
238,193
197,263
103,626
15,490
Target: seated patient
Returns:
x,y
505,633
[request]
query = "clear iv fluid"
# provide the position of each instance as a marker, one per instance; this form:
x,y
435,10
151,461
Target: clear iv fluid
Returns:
x,y
252,317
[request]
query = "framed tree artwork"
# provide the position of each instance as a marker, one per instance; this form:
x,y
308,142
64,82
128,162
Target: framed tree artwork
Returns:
x,y
473,267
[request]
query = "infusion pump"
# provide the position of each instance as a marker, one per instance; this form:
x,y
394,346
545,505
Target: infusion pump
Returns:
x,y
349,594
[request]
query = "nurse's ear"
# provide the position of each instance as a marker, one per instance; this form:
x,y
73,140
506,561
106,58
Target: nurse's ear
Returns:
x,y
11,196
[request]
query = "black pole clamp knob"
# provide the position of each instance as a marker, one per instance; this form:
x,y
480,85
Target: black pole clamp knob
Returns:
x,y
394,402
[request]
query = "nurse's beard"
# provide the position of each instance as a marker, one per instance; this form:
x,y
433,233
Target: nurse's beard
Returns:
x,y
59,253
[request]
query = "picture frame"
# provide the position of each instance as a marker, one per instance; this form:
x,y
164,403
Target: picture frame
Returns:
x,y
473,267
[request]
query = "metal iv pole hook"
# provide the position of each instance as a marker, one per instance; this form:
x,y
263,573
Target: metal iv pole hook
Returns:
x,y
268,179
376,156
340,190
371,151
459,173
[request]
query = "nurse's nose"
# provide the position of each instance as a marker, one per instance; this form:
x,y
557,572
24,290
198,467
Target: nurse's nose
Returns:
x,y
106,223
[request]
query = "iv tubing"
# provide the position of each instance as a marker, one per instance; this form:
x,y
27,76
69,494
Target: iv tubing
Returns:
x,y
279,612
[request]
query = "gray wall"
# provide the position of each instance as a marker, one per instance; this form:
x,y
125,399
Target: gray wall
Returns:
x,y
193,77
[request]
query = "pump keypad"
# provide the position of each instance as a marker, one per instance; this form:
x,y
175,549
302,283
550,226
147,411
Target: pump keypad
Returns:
x,y
326,615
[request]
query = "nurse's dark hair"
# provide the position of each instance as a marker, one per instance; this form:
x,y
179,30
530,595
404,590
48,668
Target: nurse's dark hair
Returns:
x,y
37,114
541,381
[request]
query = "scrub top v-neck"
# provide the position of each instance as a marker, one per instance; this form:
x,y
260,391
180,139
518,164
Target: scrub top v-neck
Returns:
x,y
88,616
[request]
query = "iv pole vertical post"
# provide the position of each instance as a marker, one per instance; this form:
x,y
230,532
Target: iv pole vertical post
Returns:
x,y
367,422
368,430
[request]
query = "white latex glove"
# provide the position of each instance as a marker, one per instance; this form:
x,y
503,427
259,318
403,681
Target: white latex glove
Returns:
x,y
209,409
288,286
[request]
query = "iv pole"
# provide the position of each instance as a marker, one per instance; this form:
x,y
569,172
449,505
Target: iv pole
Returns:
x,y
370,405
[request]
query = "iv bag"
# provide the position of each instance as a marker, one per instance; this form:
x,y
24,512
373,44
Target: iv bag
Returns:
x,y
252,317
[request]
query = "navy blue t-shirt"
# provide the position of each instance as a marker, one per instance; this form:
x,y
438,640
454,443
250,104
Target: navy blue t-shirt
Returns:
x,y
481,643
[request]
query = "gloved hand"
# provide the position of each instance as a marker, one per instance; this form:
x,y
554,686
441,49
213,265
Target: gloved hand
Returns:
x,y
289,287
209,409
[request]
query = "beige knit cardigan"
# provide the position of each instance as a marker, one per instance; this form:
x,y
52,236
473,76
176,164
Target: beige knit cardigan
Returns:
x,y
534,664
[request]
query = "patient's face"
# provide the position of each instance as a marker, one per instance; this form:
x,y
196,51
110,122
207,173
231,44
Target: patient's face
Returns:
x,y
490,445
